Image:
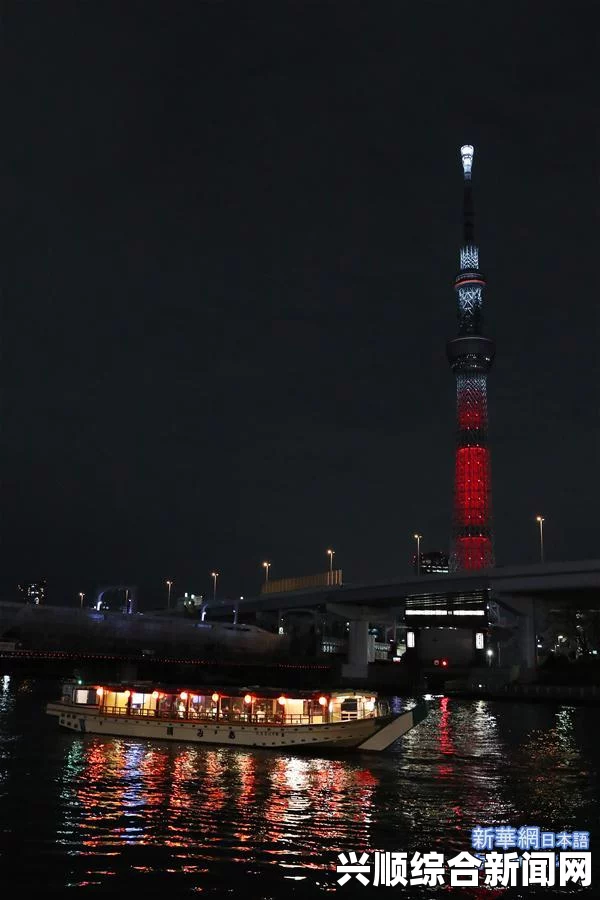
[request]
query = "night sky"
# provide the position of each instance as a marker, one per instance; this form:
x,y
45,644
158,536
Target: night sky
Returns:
x,y
230,237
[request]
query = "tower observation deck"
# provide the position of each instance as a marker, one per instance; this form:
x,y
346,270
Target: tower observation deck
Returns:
x,y
470,355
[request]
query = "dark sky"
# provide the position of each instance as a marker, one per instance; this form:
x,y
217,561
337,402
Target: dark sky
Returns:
x,y
231,232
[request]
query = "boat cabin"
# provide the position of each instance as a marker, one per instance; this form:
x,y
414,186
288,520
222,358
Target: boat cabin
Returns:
x,y
203,704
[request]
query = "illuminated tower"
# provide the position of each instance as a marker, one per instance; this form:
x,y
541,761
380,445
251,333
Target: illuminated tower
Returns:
x,y
470,356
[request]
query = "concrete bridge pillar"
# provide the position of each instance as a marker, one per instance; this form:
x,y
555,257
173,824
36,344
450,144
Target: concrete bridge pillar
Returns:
x,y
527,635
522,650
358,651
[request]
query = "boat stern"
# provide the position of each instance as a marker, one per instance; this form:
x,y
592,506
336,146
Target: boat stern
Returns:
x,y
395,729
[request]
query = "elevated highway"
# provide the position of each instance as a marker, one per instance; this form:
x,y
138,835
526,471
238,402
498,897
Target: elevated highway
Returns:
x,y
513,601
555,583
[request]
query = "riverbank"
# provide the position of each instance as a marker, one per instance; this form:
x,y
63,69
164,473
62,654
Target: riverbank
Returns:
x,y
575,694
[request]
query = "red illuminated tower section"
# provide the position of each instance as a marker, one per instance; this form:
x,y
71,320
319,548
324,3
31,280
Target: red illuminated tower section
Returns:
x,y
471,356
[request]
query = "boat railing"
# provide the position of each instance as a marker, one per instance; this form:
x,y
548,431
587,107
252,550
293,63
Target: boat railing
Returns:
x,y
254,718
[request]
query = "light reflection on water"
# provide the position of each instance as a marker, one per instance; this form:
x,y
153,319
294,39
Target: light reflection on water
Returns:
x,y
94,811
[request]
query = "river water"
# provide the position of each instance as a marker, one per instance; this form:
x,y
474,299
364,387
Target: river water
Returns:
x,y
81,816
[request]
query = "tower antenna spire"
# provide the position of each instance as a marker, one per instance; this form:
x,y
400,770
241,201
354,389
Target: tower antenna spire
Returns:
x,y
470,355
467,152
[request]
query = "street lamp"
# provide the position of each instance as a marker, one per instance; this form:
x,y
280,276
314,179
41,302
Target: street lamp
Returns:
x,y
81,596
540,520
266,566
418,538
214,576
169,585
330,554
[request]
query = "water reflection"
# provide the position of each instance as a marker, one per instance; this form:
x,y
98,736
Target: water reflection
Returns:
x,y
7,700
203,804
557,776
204,817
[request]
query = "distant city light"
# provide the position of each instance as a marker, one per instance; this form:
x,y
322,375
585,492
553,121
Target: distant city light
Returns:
x,y
467,153
445,612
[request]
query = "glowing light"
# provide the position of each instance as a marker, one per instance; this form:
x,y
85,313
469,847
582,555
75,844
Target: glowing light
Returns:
x,y
155,695
471,486
215,698
479,640
370,706
473,553
183,695
472,502
281,701
99,691
469,257
467,152
248,698
323,701
469,299
410,639
444,662
444,612
127,694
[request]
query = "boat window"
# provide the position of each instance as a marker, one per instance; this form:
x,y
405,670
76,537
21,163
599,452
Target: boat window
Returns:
x,y
141,702
232,708
85,696
167,705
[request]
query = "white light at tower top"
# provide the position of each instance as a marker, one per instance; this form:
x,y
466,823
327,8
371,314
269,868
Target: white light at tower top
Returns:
x,y
467,152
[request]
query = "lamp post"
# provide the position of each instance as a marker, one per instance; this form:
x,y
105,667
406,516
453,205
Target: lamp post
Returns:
x,y
266,566
169,585
540,520
81,596
331,554
418,538
214,576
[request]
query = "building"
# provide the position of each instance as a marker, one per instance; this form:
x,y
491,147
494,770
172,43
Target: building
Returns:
x,y
471,355
33,592
433,563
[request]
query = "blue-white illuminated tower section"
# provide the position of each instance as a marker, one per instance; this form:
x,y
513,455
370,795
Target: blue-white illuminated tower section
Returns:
x,y
471,356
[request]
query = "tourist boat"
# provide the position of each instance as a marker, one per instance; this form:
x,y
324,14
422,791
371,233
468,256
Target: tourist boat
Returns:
x,y
244,718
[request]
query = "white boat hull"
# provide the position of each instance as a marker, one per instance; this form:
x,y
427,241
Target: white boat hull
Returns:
x,y
348,734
